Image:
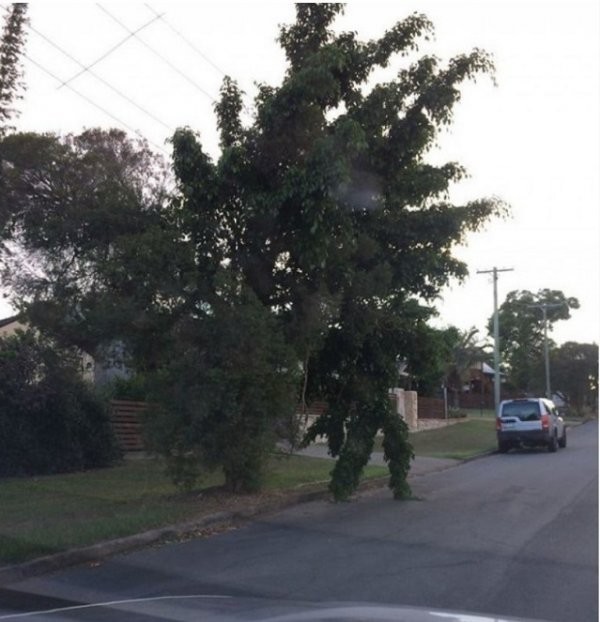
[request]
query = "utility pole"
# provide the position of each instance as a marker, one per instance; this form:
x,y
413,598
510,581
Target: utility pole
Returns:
x,y
544,306
494,271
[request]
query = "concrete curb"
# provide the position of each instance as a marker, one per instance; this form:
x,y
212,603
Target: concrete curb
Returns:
x,y
107,548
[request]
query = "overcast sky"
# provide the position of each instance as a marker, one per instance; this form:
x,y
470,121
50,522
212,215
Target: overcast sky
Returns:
x,y
533,140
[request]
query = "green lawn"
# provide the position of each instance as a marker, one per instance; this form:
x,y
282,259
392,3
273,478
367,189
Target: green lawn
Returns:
x,y
43,515
459,441
476,413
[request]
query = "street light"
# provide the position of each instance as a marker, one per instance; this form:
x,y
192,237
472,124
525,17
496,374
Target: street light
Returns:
x,y
544,306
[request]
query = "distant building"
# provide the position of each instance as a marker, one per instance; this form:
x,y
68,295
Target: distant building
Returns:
x,y
10,325
90,370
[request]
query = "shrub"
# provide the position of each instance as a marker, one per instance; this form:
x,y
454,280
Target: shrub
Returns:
x,y
50,420
221,396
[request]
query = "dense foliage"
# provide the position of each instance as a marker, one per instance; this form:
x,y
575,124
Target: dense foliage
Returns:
x,y
85,235
327,210
574,368
521,326
300,264
50,419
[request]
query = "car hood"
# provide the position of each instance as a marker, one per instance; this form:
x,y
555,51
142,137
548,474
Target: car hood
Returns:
x,y
206,608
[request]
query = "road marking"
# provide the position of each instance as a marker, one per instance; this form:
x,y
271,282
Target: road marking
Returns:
x,y
12,616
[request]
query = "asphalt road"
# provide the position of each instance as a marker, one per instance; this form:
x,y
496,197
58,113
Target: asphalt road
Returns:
x,y
513,535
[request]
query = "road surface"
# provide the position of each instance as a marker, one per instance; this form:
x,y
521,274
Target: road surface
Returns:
x,y
513,535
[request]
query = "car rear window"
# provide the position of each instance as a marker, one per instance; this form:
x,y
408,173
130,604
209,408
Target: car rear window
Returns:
x,y
524,410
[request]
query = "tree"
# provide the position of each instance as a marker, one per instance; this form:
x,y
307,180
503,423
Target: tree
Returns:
x,y
327,210
575,373
12,42
465,351
85,236
522,333
321,225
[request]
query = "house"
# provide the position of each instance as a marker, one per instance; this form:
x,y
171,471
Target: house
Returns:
x,y
480,379
478,390
11,325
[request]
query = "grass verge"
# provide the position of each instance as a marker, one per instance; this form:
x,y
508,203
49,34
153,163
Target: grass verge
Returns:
x,y
49,514
460,441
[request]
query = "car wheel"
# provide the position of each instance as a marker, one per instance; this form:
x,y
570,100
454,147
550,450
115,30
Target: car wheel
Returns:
x,y
503,447
553,443
562,441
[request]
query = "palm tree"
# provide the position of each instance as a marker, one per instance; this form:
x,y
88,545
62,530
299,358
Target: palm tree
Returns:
x,y
465,351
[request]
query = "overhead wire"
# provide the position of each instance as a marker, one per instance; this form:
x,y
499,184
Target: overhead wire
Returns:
x,y
110,51
158,54
162,18
100,79
247,109
93,103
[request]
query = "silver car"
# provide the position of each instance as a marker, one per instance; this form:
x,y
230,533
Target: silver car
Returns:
x,y
530,422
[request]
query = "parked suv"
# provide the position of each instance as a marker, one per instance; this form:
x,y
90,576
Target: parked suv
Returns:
x,y
530,422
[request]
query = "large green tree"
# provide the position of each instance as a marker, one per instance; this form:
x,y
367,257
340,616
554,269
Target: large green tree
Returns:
x,y
326,207
575,373
522,333
88,247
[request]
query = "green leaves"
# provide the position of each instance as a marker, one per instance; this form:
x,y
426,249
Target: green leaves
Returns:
x,y
522,333
310,243
575,374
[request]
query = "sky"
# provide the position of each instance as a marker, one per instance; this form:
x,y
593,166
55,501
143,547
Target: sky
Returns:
x,y
533,139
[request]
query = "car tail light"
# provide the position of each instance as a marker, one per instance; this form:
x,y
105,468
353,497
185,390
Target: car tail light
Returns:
x,y
498,424
545,422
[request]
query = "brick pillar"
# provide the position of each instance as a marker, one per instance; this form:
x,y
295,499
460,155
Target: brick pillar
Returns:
x,y
411,409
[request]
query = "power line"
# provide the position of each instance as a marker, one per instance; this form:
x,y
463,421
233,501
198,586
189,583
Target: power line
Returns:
x,y
93,103
186,40
108,52
158,54
102,80
202,55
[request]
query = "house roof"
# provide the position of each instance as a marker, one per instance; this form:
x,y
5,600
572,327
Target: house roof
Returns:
x,y
486,369
9,320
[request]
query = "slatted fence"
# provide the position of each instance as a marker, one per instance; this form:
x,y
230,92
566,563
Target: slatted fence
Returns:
x,y
127,425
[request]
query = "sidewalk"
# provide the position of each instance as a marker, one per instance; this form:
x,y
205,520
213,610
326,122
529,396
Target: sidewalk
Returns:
x,y
421,465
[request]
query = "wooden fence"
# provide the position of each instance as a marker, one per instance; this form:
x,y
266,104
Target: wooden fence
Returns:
x,y
125,417
430,408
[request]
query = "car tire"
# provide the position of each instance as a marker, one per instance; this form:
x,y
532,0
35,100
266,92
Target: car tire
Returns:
x,y
503,447
562,441
553,443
